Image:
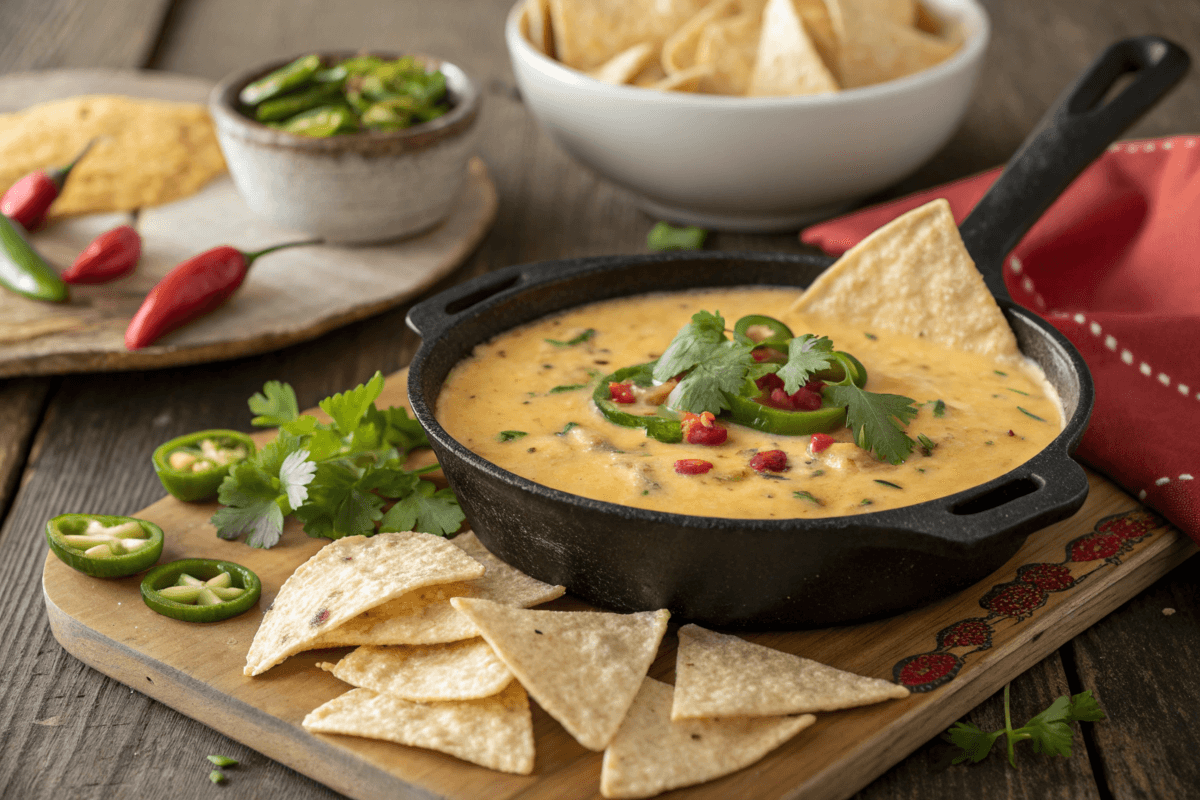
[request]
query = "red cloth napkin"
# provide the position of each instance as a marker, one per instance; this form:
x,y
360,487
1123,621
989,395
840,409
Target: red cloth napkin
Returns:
x,y
1115,265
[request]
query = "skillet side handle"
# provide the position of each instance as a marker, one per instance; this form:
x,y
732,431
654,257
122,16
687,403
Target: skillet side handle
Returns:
x,y
429,318
1072,134
1044,491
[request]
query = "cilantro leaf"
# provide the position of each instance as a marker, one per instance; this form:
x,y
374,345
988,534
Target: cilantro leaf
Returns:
x,y
580,339
876,420
427,509
399,430
347,408
972,740
723,372
337,505
693,345
295,473
274,405
249,498
806,354
1049,733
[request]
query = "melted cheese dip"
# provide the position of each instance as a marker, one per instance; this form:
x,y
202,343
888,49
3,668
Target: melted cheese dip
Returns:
x,y
519,382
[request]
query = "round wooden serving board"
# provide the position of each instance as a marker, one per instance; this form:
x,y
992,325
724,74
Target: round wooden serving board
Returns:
x,y
290,296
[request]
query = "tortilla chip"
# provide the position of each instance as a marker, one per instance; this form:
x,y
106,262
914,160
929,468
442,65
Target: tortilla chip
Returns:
x,y
819,27
589,32
730,46
679,50
583,667
538,30
622,67
425,674
344,579
147,152
650,75
873,49
495,732
686,81
725,676
787,62
652,754
426,617
914,276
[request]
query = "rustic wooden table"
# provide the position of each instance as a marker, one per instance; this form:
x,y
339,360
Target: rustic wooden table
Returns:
x,y
80,442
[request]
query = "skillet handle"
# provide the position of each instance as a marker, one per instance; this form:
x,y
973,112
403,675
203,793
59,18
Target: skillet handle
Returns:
x,y
431,317
1072,134
1044,490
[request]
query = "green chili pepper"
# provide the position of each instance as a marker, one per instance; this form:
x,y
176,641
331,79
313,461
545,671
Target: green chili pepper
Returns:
x,y
23,270
192,467
664,236
659,426
200,590
289,105
104,546
778,338
755,415
394,114
321,121
281,80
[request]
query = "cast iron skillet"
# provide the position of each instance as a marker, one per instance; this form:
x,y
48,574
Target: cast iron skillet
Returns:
x,y
789,573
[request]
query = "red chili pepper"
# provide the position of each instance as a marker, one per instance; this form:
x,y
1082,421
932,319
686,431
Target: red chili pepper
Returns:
x,y
621,393
821,442
769,461
27,200
692,466
111,255
702,429
191,290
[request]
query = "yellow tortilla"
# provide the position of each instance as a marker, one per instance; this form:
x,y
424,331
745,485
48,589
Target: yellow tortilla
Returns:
x,y
873,48
495,732
589,32
147,152
787,62
425,674
624,66
717,675
651,754
914,276
583,667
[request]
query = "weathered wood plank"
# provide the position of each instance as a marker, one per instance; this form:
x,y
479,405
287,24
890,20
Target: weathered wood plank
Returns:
x,y
1140,664
40,34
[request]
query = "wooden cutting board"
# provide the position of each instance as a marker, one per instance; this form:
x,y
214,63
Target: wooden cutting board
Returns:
x,y
953,654
290,296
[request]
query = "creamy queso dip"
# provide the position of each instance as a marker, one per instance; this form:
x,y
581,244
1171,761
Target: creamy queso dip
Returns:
x,y
512,401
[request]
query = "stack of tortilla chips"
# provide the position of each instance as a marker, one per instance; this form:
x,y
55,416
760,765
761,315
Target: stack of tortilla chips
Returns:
x,y
740,47
448,648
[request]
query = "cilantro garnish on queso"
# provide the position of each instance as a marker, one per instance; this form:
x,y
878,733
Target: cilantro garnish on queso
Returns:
x,y
745,403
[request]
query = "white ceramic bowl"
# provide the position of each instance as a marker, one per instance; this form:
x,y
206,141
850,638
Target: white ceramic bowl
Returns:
x,y
753,163
354,188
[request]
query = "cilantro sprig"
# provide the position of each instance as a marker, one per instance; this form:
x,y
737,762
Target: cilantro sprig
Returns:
x,y
714,367
339,478
1049,733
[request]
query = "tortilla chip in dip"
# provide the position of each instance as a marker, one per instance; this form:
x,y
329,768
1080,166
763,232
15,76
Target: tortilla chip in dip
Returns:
x,y
583,667
914,276
495,732
717,675
147,152
344,579
425,673
787,62
651,754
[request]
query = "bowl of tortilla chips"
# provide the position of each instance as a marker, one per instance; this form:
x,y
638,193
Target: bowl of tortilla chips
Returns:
x,y
748,115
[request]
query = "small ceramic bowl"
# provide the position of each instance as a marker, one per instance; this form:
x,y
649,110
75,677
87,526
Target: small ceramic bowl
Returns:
x,y
753,163
352,188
